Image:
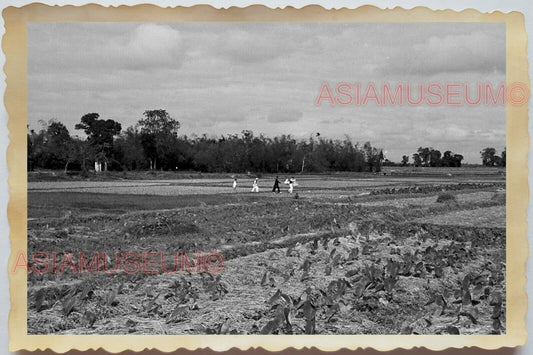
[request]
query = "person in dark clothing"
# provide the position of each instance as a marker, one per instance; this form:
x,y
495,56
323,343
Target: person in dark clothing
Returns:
x,y
276,186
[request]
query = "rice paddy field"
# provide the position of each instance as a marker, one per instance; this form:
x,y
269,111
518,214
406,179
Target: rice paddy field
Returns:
x,y
409,252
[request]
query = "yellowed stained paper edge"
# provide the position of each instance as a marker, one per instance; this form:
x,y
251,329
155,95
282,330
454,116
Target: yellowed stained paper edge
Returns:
x,y
14,45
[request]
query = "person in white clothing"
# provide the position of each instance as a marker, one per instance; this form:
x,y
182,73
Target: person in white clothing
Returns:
x,y
234,184
255,186
291,185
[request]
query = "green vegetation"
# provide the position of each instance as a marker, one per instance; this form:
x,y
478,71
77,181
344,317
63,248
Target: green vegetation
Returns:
x,y
333,261
154,144
489,157
433,157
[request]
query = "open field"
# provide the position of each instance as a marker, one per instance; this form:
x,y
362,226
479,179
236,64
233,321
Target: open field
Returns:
x,y
465,172
350,255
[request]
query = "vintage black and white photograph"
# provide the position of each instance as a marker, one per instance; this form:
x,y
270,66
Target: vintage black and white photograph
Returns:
x,y
266,178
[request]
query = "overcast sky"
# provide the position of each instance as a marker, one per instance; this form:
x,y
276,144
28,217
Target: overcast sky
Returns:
x,y
221,78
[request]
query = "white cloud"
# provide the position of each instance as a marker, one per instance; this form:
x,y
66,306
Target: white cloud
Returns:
x,y
151,45
477,51
220,78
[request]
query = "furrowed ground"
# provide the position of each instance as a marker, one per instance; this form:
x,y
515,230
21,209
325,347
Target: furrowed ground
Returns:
x,y
368,255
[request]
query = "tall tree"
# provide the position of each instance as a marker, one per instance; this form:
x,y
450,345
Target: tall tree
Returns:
x,y
51,145
100,134
452,160
417,161
159,133
128,150
447,158
424,154
434,157
74,152
488,156
374,157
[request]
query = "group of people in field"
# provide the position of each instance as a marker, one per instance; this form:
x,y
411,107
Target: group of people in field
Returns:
x,y
255,185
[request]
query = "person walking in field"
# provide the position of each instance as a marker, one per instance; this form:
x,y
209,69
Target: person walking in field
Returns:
x,y
255,185
291,184
235,184
276,186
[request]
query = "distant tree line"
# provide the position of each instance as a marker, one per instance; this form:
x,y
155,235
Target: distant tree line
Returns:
x,y
154,144
430,157
489,157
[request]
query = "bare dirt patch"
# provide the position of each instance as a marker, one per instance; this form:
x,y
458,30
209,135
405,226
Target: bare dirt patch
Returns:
x,y
326,264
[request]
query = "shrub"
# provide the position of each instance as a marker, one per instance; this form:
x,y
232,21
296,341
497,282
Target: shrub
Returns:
x,y
446,198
